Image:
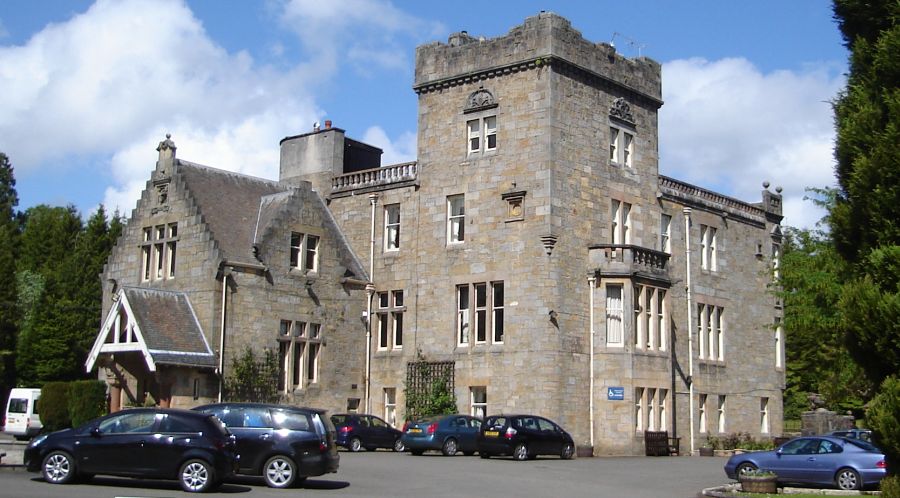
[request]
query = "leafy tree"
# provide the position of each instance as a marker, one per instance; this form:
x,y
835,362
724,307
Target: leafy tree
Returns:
x,y
9,233
818,361
866,215
253,379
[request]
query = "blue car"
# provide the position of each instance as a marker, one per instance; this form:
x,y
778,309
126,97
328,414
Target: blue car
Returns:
x,y
821,460
445,433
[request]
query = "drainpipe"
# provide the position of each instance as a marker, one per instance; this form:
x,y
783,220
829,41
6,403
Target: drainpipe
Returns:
x,y
592,280
370,293
226,272
690,321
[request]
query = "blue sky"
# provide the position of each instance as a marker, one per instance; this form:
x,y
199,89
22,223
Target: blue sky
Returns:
x,y
89,88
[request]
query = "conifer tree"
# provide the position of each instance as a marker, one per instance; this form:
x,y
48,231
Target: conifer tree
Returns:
x,y
9,232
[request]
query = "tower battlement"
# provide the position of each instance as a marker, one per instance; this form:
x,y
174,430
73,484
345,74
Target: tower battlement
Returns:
x,y
544,39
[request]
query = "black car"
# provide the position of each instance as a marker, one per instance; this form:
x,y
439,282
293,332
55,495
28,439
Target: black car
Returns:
x,y
284,444
150,443
445,433
523,437
355,432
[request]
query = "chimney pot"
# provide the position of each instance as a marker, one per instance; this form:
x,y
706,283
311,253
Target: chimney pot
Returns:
x,y
327,124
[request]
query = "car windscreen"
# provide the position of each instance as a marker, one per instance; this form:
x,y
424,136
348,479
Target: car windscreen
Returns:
x,y
495,422
340,419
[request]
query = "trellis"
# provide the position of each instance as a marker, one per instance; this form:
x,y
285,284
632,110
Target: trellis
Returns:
x,y
428,383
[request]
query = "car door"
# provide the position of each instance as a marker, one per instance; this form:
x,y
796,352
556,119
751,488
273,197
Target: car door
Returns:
x,y
254,436
381,435
552,435
467,430
827,461
795,459
530,432
163,450
117,446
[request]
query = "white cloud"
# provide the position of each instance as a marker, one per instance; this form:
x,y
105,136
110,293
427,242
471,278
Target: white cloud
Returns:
x,y
727,126
400,151
367,32
111,81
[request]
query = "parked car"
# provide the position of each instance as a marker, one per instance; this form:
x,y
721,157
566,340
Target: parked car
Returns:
x,y
356,431
864,434
283,444
523,437
822,460
22,418
151,443
445,433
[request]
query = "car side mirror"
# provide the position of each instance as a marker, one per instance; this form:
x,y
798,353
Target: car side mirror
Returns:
x,y
778,452
95,432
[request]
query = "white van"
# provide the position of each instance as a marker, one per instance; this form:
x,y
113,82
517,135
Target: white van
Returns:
x,y
22,419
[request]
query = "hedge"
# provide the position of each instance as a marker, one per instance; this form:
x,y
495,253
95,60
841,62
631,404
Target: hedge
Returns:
x,y
87,400
54,406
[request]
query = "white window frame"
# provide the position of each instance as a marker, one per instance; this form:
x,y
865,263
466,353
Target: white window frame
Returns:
x,y
479,134
621,146
665,233
663,396
463,322
299,349
473,317
620,212
779,343
390,406
391,227
304,253
776,261
720,333
638,409
708,248
615,316
651,409
456,220
158,250
389,312
764,415
721,414
701,406
478,401
498,323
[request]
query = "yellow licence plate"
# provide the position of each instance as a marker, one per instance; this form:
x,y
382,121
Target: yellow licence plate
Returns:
x,y
491,433
415,431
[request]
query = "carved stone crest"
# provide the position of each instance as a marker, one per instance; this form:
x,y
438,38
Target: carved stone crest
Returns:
x,y
622,110
480,99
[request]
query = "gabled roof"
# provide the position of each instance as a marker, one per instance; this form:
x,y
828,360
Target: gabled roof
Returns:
x,y
229,203
159,324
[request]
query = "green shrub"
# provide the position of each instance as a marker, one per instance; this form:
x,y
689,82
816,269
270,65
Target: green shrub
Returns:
x,y
883,417
87,400
890,487
54,406
253,379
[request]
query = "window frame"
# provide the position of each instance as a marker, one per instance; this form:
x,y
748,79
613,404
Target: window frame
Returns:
x,y
299,354
390,406
474,318
458,221
620,216
476,406
665,233
479,132
307,244
621,145
614,313
391,227
158,248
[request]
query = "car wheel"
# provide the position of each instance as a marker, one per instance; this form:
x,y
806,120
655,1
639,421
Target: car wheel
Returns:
x,y
568,451
58,468
399,447
745,468
417,452
279,472
355,444
521,452
196,476
848,479
450,447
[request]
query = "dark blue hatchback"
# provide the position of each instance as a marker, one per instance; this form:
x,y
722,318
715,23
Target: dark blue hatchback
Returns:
x,y
445,433
357,432
284,444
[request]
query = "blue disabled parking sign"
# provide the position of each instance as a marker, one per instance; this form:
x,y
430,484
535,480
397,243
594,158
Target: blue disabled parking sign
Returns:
x,y
615,393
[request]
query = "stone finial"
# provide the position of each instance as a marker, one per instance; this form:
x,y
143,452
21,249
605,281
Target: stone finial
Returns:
x,y
766,184
166,150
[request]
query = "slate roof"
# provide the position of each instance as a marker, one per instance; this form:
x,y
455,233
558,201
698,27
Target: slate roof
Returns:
x,y
230,205
169,327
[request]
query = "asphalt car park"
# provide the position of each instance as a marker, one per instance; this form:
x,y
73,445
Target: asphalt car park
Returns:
x,y
384,473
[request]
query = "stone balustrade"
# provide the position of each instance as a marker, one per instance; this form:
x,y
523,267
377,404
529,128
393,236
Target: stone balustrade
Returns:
x,y
375,177
627,259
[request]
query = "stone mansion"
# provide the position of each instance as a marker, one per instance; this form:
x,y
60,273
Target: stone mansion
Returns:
x,y
532,252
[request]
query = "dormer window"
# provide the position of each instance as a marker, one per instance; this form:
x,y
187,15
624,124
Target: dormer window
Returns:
x,y
304,252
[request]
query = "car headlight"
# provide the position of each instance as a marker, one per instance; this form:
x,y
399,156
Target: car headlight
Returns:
x,y
37,440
